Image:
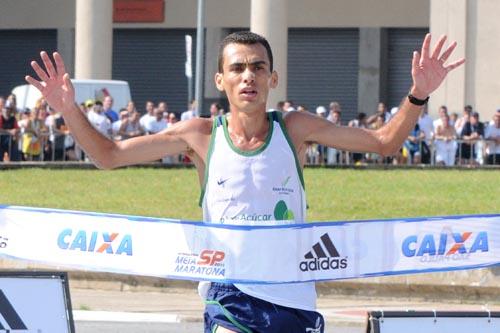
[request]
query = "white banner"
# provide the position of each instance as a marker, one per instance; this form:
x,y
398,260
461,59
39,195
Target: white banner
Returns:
x,y
271,254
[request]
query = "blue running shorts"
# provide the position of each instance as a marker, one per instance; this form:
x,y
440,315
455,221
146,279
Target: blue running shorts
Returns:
x,y
230,308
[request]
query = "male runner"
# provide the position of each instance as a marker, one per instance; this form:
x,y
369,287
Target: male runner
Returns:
x,y
240,157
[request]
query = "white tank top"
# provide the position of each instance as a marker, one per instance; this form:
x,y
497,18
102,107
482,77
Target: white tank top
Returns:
x,y
260,187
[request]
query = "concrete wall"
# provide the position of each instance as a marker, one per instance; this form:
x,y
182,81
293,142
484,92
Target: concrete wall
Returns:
x,y
25,14
474,25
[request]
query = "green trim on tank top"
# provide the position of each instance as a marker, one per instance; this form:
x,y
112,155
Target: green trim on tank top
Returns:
x,y
292,147
207,163
249,152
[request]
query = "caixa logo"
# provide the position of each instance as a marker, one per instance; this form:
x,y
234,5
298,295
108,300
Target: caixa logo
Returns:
x,y
445,244
95,241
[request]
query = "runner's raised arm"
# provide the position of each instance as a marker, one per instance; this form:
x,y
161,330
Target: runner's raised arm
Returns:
x,y
56,87
428,72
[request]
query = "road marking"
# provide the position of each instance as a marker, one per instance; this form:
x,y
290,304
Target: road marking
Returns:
x,y
113,316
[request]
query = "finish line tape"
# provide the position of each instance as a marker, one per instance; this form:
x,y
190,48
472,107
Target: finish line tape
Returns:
x,y
189,250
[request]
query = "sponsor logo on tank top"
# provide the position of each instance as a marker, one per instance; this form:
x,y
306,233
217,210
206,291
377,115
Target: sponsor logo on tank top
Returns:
x,y
282,188
280,213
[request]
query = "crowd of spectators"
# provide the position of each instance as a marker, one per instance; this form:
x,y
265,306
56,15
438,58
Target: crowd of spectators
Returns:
x,y
448,140
40,133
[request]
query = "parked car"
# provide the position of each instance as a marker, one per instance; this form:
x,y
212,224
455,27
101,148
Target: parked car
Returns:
x,y
27,95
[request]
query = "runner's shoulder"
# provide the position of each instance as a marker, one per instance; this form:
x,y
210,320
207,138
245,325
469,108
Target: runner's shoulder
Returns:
x,y
201,126
298,122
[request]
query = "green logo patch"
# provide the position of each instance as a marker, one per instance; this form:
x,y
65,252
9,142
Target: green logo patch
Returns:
x,y
281,212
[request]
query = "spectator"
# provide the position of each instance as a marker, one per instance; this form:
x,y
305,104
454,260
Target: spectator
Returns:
x,y
441,111
493,136
158,124
453,119
149,115
62,144
359,122
381,111
378,123
131,108
107,105
87,106
32,128
124,128
426,125
49,123
280,106
9,131
332,155
216,110
172,119
163,106
334,113
288,106
119,127
460,122
191,112
445,141
472,132
302,108
334,107
412,145
12,103
99,120
321,111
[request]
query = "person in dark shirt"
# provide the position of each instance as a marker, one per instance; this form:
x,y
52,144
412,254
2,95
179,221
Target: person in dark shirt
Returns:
x,y
9,130
472,131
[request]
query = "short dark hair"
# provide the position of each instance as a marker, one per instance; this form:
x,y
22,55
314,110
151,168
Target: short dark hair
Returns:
x,y
244,37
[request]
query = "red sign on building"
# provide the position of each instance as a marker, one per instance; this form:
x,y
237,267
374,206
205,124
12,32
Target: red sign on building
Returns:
x,y
126,11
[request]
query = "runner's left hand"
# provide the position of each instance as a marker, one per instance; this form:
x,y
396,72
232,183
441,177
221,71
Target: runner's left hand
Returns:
x,y
429,70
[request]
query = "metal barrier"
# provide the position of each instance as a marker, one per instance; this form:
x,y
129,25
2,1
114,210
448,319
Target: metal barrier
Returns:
x,y
44,147
466,153
56,146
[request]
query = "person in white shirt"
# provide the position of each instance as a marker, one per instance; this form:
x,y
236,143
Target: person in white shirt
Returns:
x,y
426,125
99,120
333,156
157,124
149,115
493,140
191,113
127,126
445,141
441,112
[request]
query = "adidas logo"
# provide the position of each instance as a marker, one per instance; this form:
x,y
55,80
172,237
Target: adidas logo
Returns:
x,y
319,260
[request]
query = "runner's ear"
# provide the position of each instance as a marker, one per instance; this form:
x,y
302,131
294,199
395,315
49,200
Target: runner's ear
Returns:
x,y
274,80
219,81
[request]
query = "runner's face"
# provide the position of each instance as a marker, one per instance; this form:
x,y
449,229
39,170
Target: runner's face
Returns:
x,y
246,77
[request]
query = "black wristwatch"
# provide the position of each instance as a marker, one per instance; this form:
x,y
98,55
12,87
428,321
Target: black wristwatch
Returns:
x,y
416,101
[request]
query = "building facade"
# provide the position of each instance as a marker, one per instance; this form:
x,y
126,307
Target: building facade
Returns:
x,y
356,52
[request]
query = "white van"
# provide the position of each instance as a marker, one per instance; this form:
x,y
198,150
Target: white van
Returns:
x,y
27,95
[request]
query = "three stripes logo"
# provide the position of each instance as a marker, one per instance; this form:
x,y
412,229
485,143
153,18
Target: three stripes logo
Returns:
x,y
10,316
319,260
